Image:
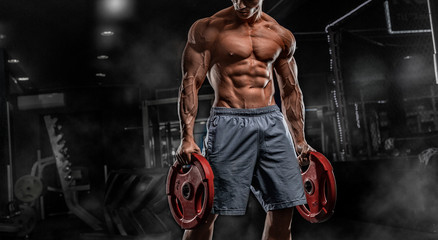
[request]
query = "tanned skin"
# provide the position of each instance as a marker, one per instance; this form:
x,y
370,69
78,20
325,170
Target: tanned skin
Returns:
x,y
239,49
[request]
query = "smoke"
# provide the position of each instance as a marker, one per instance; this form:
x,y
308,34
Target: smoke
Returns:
x,y
154,58
384,200
404,196
394,200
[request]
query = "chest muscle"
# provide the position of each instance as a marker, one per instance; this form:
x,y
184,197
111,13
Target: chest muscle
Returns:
x,y
238,45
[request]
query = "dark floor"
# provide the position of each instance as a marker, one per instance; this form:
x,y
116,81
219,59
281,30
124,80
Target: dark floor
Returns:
x,y
346,229
337,228
383,200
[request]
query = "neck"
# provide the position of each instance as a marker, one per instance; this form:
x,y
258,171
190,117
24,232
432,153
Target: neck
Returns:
x,y
253,19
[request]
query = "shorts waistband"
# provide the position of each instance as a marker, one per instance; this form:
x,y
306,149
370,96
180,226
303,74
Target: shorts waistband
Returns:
x,y
244,111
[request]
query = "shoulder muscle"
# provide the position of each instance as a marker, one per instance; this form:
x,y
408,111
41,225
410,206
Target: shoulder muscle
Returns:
x,y
288,39
289,43
196,36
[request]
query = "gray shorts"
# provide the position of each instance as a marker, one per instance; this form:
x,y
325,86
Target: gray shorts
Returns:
x,y
252,149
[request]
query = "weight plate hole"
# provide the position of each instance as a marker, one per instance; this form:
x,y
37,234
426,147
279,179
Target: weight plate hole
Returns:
x,y
308,186
186,191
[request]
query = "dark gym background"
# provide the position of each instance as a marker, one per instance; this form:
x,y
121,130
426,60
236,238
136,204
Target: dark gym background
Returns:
x,y
109,72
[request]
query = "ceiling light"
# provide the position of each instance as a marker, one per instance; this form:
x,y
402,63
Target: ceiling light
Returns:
x,y
107,33
13,61
100,75
23,79
2,36
102,57
116,8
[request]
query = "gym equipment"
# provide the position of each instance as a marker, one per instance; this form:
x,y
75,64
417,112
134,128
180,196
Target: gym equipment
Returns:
x,y
135,204
190,191
28,188
25,219
66,174
20,221
320,188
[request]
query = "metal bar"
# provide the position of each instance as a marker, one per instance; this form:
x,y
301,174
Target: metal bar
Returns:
x,y
421,138
340,108
339,20
105,172
175,100
146,135
434,107
389,25
43,210
434,28
198,120
169,145
275,6
36,165
10,173
366,128
323,140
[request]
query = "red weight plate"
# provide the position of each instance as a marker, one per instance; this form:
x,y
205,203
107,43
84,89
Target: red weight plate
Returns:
x,y
320,188
190,192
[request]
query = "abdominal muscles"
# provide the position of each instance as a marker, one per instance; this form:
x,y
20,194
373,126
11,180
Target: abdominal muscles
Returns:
x,y
242,84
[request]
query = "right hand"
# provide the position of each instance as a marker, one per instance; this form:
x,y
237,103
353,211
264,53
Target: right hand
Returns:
x,y
303,153
185,150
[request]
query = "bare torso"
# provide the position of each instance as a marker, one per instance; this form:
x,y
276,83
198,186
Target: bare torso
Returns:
x,y
239,52
241,59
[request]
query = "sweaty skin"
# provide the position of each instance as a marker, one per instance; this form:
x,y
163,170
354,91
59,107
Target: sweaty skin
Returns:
x,y
239,57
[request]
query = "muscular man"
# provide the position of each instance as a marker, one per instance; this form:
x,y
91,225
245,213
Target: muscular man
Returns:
x,y
251,144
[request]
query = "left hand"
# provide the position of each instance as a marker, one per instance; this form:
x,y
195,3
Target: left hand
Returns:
x,y
303,151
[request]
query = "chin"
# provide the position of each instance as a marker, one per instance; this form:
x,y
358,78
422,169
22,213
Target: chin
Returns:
x,y
244,16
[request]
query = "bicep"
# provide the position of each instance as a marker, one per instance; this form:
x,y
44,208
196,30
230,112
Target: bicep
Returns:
x,y
287,74
196,57
285,65
194,63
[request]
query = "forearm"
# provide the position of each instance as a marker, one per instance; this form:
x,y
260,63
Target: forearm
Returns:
x,y
188,106
292,99
294,113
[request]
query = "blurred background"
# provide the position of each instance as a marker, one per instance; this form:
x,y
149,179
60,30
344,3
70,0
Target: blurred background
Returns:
x,y
89,124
